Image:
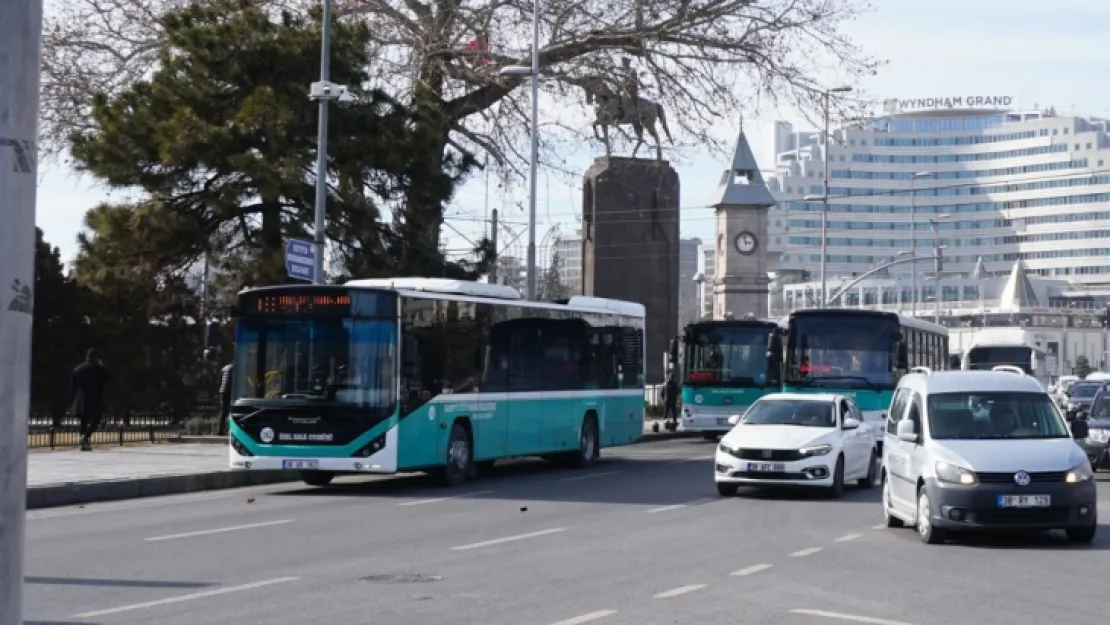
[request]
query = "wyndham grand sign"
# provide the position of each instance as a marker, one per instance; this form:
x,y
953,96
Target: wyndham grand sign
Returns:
x,y
948,102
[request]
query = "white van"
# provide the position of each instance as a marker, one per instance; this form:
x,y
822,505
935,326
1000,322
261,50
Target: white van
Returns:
x,y
968,450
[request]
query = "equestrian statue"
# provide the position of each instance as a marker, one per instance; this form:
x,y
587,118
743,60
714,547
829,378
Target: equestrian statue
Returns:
x,y
624,106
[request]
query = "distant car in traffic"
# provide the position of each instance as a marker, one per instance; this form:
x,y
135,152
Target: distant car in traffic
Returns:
x,y
1081,395
969,450
1097,443
796,439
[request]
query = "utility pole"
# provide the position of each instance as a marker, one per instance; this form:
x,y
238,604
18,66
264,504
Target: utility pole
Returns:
x,y
20,57
493,244
323,92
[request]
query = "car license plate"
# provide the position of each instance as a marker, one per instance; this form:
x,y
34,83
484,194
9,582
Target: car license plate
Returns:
x,y
300,464
763,467
1024,501
722,421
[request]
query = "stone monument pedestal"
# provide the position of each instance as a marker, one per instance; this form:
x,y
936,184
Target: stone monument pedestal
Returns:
x,y
630,244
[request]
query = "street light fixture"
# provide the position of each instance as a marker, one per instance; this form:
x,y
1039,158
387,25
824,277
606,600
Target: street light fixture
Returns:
x,y
825,194
532,71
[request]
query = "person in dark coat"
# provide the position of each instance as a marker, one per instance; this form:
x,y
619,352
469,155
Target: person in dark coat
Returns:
x,y
225,397
670,399
88,382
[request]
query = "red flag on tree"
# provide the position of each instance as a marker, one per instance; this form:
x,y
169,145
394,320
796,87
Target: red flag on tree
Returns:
x,y
480,45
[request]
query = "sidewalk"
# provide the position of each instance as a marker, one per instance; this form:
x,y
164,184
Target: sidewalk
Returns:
x,y
62,478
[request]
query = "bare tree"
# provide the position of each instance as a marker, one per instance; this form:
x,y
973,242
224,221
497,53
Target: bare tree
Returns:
x,y
702,60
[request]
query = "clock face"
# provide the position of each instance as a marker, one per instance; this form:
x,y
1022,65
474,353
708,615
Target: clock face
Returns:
x,y
746,243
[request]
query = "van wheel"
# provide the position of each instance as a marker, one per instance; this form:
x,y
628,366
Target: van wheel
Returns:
x,y
1083,535
836,491
872,469
588,448
929,535
317,478
891,520
457,465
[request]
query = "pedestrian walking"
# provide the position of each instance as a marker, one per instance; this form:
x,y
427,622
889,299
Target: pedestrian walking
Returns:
x,y
224,391
670,402
88,383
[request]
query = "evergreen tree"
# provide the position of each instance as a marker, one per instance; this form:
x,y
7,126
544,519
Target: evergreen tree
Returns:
x,y
552,287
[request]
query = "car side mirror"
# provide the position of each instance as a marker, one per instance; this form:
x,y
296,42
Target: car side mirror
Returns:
x,y
1080,429
734,419
850,424
907,431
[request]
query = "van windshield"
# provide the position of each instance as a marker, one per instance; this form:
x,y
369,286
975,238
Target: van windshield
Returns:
x,y
966,416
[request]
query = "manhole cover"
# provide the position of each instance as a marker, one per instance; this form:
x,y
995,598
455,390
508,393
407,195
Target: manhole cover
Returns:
x,y
410,578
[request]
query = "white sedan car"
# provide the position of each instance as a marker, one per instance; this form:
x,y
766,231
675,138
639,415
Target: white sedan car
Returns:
x,y
794,439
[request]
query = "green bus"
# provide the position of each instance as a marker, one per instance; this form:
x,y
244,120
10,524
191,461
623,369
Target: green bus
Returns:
x,y
419,374
726,365
859,354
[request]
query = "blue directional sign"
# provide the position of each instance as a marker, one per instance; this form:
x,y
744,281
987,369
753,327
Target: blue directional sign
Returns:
x,y
300,260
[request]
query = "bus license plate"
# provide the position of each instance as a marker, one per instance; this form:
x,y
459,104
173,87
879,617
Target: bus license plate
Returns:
x,y
722,421
762,467
300,464
1024,501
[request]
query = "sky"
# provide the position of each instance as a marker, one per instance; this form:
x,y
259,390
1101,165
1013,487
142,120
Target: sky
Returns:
x,y
1043,54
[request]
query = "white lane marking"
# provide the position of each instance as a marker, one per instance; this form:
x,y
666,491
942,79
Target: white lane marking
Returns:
x,y
682,590
845,538
880,526
181,598
591,476
805,552
751,570
850,617
420,502
676,506
509,539
218,530
586,618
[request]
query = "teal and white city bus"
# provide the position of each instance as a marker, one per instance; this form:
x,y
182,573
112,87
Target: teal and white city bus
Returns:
x,y
860,354
727,364
396,375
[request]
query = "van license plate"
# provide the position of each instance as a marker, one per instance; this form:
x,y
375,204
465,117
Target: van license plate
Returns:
x,y
766,468
1024,501
300,464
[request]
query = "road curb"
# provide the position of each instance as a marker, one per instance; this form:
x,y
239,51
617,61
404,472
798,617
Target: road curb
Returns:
x,y
75,493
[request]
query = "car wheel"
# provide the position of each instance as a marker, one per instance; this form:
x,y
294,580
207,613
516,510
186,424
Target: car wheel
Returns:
x,y
725,489
872,470
836,491
891,520
930,535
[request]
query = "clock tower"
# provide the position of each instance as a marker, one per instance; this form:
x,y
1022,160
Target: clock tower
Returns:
x,y
741,201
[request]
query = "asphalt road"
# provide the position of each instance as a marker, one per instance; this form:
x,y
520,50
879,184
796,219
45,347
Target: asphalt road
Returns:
x,y
640,539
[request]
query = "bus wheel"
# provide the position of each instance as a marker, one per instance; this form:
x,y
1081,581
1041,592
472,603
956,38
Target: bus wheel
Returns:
x,y
456,468
588,451
317,478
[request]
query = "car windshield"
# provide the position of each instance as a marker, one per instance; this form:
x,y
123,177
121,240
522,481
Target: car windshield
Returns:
x,y
803,412
1002,415
719,354
1083,391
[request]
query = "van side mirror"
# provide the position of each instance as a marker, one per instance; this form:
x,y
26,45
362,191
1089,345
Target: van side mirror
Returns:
x,y
907,431
903,357
1080,429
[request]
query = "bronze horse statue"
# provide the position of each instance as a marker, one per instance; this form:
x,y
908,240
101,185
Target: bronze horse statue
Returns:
x,y
609,111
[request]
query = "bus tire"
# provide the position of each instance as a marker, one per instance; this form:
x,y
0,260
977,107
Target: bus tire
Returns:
x,y
317,478
458,466
588,443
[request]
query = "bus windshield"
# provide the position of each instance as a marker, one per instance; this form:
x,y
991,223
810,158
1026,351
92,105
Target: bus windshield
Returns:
x,y
987,358
840,350
726,355
338,361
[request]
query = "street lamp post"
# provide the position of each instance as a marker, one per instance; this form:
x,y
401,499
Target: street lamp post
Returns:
x,y
934,222
534,72
913,233
825,196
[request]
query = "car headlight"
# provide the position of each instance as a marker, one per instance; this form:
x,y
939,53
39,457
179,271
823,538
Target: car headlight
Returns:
x,y
1099,436
815,450
1080,473
947,472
